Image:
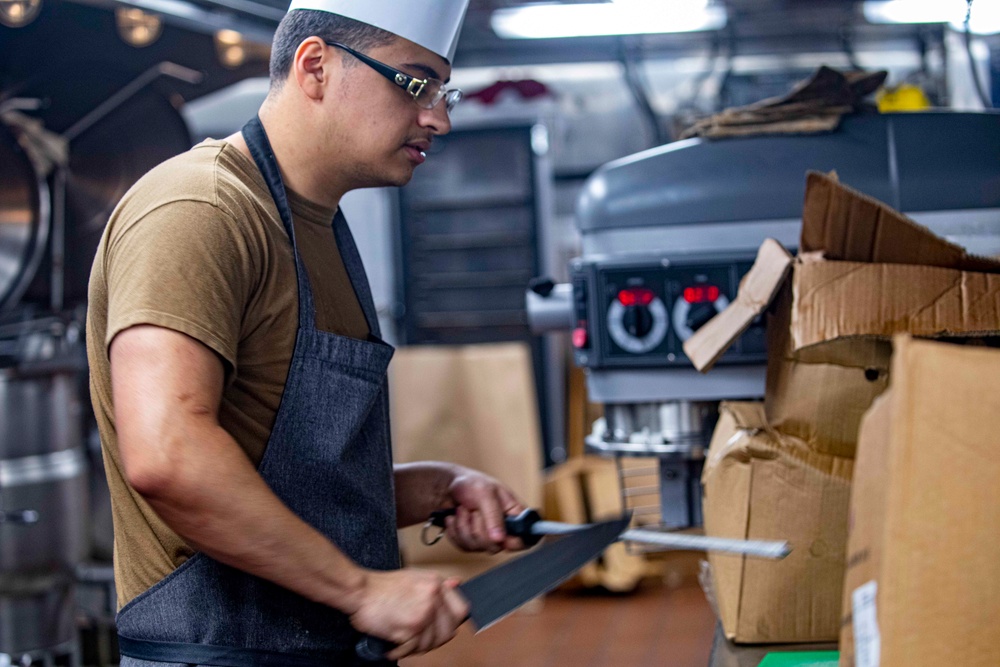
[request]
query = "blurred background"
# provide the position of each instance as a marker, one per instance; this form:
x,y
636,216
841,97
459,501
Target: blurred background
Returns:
x,y
490,269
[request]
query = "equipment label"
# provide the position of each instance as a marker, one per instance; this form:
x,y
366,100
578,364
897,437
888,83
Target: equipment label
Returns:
x,y
867,640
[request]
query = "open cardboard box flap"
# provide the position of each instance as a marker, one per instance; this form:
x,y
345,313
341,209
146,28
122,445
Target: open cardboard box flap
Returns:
x,y
844,224
864,271
757,290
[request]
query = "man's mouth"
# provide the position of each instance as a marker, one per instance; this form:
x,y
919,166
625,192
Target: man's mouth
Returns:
x,y
417,151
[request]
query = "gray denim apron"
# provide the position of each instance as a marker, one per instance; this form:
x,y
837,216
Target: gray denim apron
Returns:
x,y
329,459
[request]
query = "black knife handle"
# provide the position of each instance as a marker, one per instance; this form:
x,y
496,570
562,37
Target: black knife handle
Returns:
x,y
518,526
373,649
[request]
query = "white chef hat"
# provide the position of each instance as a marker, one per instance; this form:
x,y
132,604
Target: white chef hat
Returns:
x,y
433,24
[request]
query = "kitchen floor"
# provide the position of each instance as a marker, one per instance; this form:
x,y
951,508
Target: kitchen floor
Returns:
x,y
656,625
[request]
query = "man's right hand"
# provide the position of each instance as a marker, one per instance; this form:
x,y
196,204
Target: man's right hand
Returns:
x,y
415,609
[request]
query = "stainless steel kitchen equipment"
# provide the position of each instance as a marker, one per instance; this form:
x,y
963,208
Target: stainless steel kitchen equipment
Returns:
x,y
83,114
667,235
43,489
25,218
49,525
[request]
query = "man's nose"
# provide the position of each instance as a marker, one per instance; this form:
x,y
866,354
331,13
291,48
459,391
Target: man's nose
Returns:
x,y
436,119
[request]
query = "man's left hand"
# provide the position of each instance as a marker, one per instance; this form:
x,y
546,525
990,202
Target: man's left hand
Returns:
x,y
481,503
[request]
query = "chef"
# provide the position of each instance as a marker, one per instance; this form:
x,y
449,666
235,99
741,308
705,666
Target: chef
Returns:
x,y
238,376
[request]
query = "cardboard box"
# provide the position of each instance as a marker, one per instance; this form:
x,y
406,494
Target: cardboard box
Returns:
x,y
760,484
923,574
865,526
864,273
821,400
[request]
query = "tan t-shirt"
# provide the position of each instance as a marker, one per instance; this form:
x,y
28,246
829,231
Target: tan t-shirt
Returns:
x,y
197,246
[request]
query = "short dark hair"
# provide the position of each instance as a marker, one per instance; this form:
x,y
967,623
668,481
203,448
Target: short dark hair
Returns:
x,y
300,24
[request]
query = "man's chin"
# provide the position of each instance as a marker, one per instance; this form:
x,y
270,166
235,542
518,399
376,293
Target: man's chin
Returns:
x,y
396,177
402,178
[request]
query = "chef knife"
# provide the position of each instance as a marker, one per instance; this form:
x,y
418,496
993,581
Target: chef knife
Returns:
x,y
503,589
530,527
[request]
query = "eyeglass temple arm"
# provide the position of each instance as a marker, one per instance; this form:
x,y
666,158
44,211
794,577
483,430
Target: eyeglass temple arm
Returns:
x,y
401,79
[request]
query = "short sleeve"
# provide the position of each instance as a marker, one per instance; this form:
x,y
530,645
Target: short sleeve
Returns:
x,y
185,266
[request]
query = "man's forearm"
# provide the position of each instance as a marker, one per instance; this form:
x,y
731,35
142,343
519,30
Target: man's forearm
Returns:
x,y
218,503
422,488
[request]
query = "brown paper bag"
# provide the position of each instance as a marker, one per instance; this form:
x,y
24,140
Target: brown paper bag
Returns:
x,y
471,405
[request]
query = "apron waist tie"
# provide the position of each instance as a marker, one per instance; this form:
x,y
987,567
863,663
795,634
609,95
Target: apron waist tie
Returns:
x,y
225,656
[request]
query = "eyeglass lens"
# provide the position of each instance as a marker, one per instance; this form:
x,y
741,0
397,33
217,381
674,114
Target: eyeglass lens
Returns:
x,y
432,94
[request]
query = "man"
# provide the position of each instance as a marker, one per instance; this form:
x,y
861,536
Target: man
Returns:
x,y
239,381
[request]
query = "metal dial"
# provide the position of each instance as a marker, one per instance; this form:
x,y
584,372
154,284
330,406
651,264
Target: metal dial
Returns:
x,y
682,309
633,344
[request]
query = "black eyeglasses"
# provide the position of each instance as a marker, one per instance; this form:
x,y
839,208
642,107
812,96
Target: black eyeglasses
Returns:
x,y
427,93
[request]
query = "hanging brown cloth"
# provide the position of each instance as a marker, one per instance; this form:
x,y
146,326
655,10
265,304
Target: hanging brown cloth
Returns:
x,y
814,105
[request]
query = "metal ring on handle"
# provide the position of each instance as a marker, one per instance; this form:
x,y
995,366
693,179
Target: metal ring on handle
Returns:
x,y
425,533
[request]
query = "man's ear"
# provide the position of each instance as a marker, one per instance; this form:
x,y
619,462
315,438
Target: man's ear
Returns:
x,y
312,67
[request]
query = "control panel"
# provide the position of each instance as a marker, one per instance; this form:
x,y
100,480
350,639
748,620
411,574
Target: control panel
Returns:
x,y
638,314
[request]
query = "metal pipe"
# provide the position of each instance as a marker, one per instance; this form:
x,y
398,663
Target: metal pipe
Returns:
x,y
552,311
58,251
170,69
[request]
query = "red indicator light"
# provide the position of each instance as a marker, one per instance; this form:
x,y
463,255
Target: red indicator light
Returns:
x,y
702,294
636,296
579,338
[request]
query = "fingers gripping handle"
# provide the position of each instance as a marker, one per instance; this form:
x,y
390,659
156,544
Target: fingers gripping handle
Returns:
x,y
373,649
517,526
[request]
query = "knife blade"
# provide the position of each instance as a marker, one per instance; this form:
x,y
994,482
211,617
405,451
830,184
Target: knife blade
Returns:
x,y
503,589
530,527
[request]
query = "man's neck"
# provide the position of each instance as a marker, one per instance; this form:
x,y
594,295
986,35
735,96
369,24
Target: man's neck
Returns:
x,y
297,159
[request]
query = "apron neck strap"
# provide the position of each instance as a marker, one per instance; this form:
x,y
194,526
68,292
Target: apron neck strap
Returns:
x,y
263,155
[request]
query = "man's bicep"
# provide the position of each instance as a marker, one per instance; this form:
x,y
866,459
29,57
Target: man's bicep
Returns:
x,y
165,387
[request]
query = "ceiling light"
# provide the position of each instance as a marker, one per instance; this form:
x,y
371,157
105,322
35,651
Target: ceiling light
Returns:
x,y
985,18
230,47
622,17
137,27
18,13
985,15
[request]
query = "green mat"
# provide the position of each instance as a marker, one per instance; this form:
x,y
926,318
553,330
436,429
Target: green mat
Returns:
x,y
813,659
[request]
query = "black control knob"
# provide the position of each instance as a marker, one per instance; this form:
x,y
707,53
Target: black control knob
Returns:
x,y
700,314
638,321
542,286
